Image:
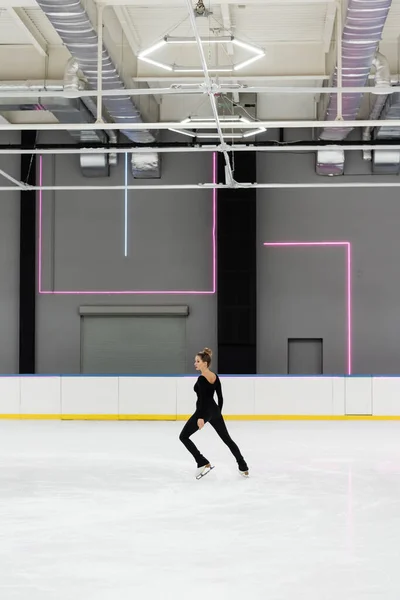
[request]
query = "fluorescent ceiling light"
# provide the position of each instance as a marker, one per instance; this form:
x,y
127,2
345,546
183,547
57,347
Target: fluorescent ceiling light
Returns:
x,y
229,118
200,70
183,132
199,119
254,132
156,64
182,40
248,47
152,49
247,62
204,136
187,70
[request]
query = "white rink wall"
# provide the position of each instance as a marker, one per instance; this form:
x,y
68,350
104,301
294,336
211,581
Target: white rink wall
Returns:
x,y
171,398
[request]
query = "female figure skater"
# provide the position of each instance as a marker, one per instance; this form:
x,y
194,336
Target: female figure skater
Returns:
x,y
208,411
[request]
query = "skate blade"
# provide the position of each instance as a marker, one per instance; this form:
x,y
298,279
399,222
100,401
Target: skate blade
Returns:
x,y
244,474
203,473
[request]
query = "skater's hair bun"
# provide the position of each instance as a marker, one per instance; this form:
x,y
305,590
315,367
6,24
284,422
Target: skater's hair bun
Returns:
x,y
206,355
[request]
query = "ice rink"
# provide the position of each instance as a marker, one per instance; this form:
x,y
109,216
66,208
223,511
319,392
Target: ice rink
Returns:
x,y
112,511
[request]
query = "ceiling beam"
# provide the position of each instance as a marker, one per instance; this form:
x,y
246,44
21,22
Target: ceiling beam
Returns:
x,y
131,34
11,94
35,37
19,3
242,78
226,19
178,3
139,126
328,29
132,37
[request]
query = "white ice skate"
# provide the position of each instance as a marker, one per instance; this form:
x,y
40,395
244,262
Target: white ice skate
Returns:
x,y
202,471
244,473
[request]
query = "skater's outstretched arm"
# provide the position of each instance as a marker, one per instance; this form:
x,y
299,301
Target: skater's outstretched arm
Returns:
x,y
218,389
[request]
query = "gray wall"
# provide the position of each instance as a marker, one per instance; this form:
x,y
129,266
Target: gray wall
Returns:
x,y
9,262
301,292
170,248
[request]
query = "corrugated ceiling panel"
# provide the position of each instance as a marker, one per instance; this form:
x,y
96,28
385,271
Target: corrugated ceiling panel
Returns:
x,y
44,27
152,24
280,23
10,32
392,27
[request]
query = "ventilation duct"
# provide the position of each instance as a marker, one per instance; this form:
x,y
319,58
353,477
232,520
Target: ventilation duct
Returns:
x,y
66,110
382,80
388,161
143,164
73,110
330,162
364,23
72,23
391,110
20,103
82,111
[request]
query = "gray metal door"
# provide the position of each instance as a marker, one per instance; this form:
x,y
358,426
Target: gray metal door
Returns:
x,y
153,345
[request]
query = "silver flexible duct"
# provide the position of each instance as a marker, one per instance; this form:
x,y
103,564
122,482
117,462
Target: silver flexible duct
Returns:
x,y
362,32
364,23
72,23
66,110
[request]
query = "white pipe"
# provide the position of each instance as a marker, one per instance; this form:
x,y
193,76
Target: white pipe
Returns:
x,y
100,9
199,125
206,186
227,78
9,92
339,114
313,90
193,149
17,93
20,184
173,3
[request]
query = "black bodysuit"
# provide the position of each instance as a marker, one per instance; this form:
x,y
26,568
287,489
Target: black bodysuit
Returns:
x,y
206,407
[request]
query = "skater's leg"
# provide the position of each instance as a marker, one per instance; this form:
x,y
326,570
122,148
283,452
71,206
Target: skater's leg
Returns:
x,y
189,429
219,425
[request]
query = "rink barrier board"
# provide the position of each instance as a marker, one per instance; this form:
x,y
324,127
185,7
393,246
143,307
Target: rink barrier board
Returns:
x,y
173,399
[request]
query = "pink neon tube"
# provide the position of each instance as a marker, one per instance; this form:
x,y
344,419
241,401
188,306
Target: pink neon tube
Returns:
x,y
347,247
131,292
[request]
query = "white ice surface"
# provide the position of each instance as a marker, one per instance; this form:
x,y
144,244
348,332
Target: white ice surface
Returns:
x,y
112,511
